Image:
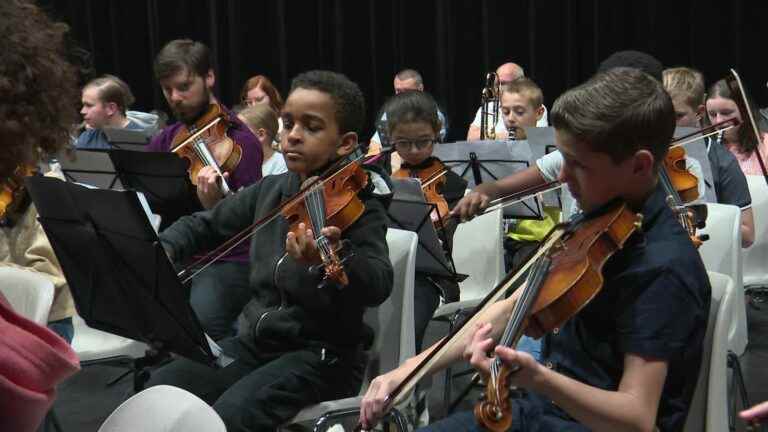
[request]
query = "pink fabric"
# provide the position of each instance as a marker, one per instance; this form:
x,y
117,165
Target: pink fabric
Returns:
x,y
749,164
33,360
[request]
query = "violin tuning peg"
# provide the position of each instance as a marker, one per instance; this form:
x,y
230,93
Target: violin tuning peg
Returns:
x,y
639,220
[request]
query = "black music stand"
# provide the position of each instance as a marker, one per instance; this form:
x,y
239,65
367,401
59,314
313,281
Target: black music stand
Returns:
x,y
126,139
409,211
162,177
89,166
479,161
120,277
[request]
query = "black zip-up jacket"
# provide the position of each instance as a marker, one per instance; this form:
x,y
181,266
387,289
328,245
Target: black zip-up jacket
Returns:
x,y
288,310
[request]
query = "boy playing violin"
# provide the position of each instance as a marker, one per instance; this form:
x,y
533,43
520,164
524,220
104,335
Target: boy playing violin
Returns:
x,y
629,359
413,127
297,344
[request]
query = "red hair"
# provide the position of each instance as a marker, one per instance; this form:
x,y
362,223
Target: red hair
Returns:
x,y
260,81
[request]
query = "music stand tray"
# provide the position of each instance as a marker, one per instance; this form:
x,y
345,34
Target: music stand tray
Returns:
x,y
479,161
119,275
409,211
162,177
89,166
126,139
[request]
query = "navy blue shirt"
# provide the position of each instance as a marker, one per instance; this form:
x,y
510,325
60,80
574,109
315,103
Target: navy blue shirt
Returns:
x,y
730,183
654,303
97,139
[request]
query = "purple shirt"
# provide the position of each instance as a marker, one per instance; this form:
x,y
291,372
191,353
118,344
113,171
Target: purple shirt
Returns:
x,y
247,172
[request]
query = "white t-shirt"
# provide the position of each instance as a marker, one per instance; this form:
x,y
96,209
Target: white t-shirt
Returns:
x,y
549,166
274,165
500,128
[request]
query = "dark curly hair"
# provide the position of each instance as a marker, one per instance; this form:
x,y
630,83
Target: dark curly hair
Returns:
x,y
38,86
346,95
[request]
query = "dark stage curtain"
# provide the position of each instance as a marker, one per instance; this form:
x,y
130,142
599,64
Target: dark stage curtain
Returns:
x,y
452,43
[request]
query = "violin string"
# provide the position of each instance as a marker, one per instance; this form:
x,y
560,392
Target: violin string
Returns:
x,y
316,208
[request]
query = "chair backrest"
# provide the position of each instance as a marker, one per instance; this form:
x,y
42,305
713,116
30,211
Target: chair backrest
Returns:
x,y
708,410
163,409
756,255
30,294
479,252
722,253
393,321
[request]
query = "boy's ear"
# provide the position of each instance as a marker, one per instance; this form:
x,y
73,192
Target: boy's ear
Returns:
x,y
347,143
643,162
210,79
111,108
539,112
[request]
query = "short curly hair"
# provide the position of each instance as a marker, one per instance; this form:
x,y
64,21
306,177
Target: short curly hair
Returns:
x,y
345,94
38,87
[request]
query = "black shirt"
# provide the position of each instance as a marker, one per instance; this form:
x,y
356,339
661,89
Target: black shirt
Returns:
x,y
654,303
288,309
730,183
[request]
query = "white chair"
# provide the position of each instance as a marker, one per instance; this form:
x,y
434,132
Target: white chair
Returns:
x,y
393,325
95,346
722,253
29,293
756,256
163,409
479,253
709,410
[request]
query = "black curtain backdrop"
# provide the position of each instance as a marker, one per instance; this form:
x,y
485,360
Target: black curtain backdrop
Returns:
x,y
453,43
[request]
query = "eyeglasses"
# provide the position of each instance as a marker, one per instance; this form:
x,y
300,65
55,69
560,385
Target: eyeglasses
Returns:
x,y
419,144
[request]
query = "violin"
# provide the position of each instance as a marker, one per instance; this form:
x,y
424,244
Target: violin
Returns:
x,y
330,203
205,143
563,279
691,217
433,181
13,195
682,181
682,186
331,198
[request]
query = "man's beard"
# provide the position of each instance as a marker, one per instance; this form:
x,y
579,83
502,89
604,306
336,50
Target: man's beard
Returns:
x,y
191,114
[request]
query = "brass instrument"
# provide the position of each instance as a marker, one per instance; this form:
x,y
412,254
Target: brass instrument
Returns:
x,y
490,96
511,134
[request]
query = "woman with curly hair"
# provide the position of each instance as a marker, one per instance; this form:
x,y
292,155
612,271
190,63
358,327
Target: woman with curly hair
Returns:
x,y
39,90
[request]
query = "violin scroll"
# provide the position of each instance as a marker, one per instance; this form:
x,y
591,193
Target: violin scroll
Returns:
x,y
493,412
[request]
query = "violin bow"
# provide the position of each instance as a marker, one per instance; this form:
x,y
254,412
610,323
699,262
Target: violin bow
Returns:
x,y
226,247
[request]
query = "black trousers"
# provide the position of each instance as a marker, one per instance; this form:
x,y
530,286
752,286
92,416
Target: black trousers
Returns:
x,y
218,295
262,388
426,298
